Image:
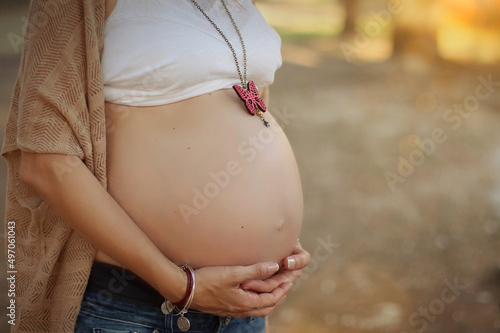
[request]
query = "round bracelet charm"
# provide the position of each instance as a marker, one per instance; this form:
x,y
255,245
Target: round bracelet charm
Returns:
x,y
167,307
183,323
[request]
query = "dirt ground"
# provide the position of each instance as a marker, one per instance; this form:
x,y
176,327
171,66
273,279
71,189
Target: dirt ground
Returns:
x,y
414,249
418,253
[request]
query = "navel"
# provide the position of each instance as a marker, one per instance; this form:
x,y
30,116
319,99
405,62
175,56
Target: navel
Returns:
x,y
280,225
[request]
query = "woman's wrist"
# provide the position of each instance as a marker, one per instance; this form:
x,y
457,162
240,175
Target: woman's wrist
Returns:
x,y
189,287
170,280
179,289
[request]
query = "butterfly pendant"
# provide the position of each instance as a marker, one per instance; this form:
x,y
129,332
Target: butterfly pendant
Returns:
x,y
254,104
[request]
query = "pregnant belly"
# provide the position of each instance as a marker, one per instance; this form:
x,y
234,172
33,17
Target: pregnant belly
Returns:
x,y
209,184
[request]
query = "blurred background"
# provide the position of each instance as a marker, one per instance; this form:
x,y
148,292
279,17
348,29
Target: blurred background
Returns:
x,y
394,117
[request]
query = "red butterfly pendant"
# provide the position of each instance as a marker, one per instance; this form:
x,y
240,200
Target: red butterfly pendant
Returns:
x,y
251,97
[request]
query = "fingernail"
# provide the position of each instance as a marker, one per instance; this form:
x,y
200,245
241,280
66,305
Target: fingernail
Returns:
x,y
291,263
273,268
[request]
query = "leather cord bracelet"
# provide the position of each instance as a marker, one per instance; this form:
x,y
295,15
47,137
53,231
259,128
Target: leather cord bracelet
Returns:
x,y
189,288
183,305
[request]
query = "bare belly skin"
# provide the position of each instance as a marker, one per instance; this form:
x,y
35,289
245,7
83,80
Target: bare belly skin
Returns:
x,y
207,182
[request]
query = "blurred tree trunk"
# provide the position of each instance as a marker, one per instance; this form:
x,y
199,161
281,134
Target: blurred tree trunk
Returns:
x,y
415,31
416,43
350,17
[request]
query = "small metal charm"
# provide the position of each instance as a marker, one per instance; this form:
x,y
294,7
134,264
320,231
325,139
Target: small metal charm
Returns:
x,y
261,116
167,307
183,323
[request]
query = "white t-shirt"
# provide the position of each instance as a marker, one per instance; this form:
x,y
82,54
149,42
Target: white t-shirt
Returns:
x,y
163,51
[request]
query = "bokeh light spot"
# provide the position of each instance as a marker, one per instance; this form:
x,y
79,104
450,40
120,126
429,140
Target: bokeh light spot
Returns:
x,y
408,144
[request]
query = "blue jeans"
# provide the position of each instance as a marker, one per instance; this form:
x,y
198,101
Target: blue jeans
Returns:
x,y
117,301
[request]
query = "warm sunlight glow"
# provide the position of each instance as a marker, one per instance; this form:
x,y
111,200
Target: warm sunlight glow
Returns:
x,y
470,31
465,31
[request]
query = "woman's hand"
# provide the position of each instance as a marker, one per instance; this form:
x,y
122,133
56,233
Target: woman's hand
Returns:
x,y
288,273
218,290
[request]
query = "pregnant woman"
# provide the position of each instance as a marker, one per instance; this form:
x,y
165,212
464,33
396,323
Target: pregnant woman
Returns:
x,y
153,192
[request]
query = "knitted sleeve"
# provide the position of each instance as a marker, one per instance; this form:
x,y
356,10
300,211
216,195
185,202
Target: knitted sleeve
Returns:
x,y
57,107
50,110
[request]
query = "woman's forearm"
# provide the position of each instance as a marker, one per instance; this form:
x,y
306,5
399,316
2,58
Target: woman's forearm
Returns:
x,y
90,210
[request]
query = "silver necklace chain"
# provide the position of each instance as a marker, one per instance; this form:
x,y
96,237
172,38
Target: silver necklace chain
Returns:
x,y
243,78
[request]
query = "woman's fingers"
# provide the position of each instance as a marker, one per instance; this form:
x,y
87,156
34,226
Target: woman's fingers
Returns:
x,y
218,290
255,304
259,271
268,285
260,286
272,299
254,290
298,260
264,303
292,268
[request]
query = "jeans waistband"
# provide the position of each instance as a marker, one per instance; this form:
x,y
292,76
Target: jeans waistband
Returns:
x,y
120,284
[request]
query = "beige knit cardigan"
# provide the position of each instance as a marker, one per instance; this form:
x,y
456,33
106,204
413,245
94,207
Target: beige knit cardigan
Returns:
x,y
57,107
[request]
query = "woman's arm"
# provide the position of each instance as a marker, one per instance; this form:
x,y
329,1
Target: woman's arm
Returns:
x,y
291,270
89,209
